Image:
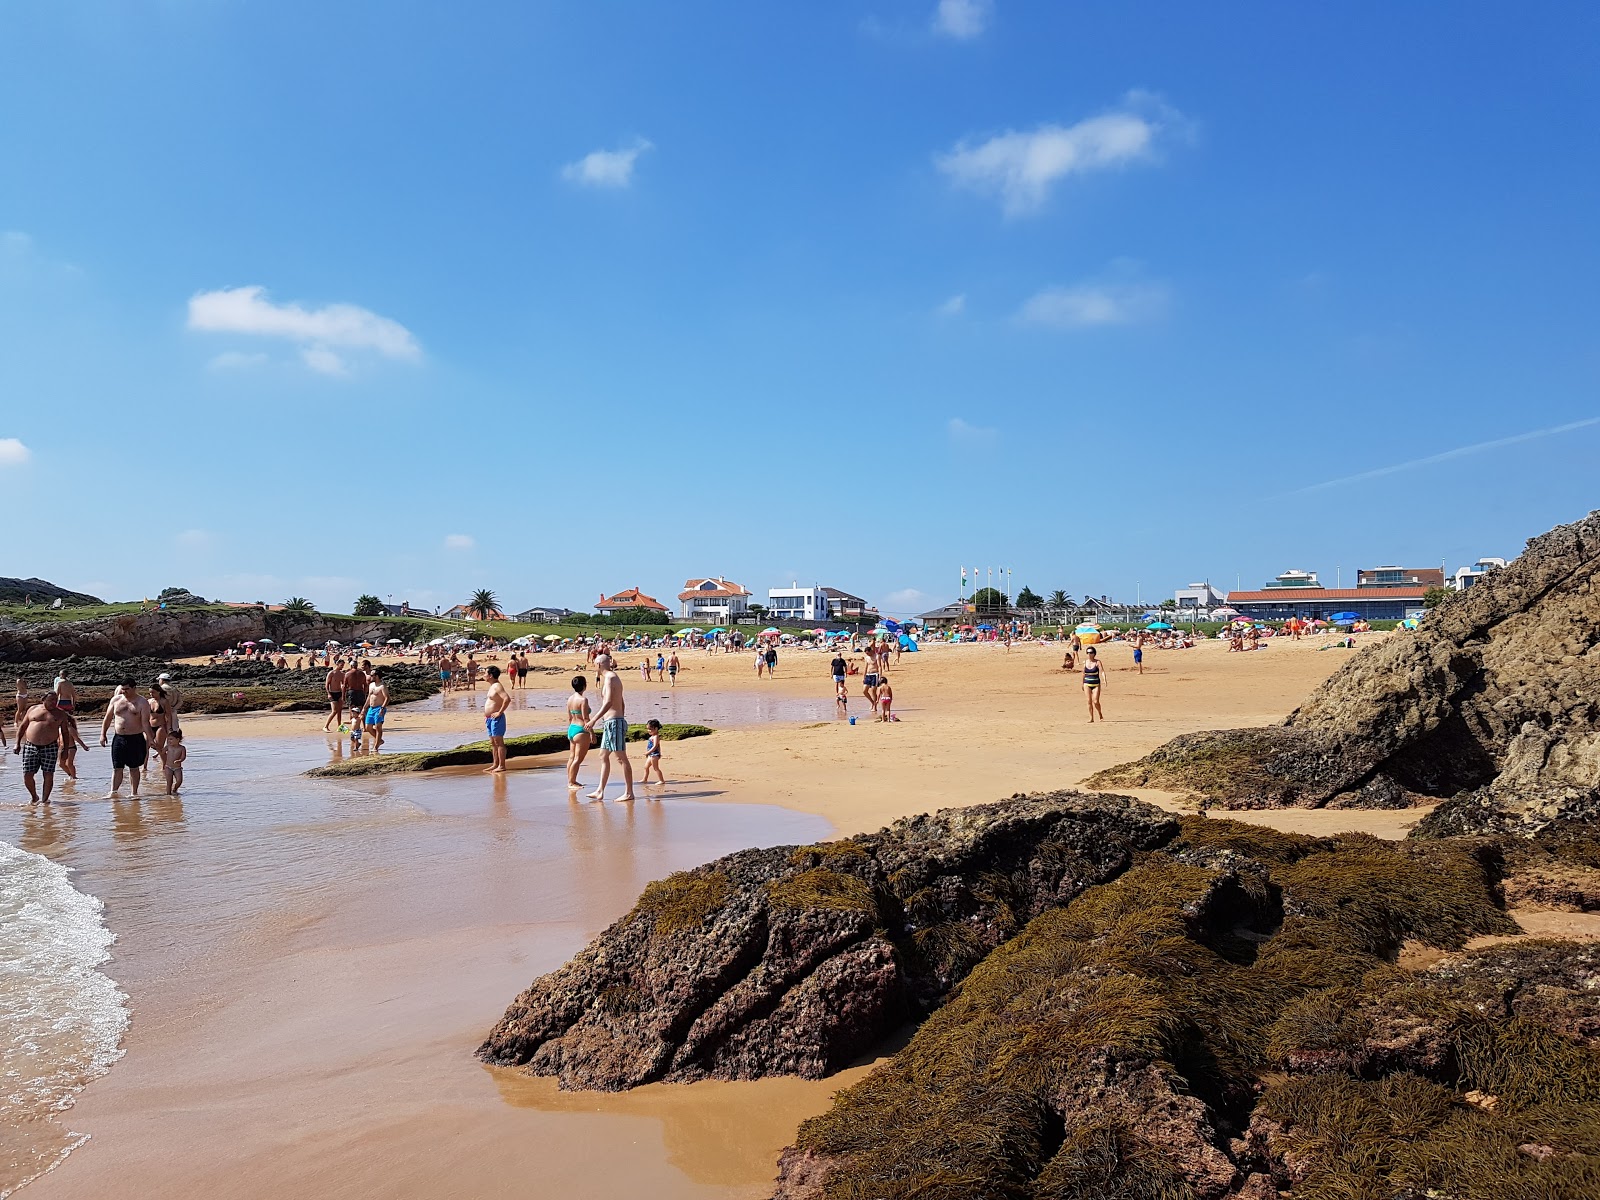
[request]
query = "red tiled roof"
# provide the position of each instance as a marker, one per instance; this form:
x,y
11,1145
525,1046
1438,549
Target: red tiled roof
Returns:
x,y
693,589
630,598
1290,595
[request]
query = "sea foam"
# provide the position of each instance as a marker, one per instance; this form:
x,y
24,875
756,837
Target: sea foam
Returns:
x,y
61,1017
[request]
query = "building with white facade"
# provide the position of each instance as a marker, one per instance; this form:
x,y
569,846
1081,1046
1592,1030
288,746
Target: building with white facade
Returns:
x,y
1465,577
796,605
1199,599
716,600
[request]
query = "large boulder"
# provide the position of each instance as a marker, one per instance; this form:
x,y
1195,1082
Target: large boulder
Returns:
x,y
797,960
1493,704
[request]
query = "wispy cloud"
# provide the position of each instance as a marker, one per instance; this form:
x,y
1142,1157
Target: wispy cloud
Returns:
x,y
962,19
906,600
247,310
606,168
966,434
1021,167
954,306
459,541
1447,455
13,453
194,539
1086,305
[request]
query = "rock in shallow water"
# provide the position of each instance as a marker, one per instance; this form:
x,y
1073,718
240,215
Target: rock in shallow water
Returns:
x,y
798,960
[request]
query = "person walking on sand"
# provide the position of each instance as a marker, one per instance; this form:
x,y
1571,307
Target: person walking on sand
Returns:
x,y
672,668
334,684
39,732
495,703
612,721
839,669
377,708
1138,653
1093,680
127,721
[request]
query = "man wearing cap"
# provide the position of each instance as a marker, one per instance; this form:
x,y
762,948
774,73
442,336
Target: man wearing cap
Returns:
x,y
129,714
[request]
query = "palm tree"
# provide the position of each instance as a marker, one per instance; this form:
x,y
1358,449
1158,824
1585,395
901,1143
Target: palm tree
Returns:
x,y
1059,601
299,606
483,604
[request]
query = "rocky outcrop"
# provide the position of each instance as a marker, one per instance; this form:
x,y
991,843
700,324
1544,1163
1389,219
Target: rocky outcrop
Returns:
x,y
182,632
1494,703
41,592
797,960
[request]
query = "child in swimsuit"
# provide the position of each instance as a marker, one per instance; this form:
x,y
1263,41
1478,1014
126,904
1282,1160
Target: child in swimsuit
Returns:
x,y
578,735
172,757
885,700
652,752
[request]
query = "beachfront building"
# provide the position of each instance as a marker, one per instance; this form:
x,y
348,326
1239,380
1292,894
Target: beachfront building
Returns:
x,y
461,613
1294,579
1465,577
714,601
1387,577
796,605
1197,600
949,616
543,616
842,606
630,598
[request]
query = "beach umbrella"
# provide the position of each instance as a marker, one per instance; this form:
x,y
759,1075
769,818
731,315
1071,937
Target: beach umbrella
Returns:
x,y
892,626
465,642
986,628
552,637
771,629
717,629
1243,621
268,642
332,642
1158,625
1340,618
1151,616
290,646
247,643
394,642
1087,627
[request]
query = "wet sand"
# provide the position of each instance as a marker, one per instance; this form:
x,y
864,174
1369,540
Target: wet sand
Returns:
x,y
310,963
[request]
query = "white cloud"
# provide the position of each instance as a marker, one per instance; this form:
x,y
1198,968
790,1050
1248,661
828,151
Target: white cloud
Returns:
x,y
954,306
606,168
962,19
15,243
1021,167
194,539
459,541
13,453
323,361
1088,304
972,435
347,326
237,360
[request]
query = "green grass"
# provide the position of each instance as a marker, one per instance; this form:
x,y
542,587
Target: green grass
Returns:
x,y
478,753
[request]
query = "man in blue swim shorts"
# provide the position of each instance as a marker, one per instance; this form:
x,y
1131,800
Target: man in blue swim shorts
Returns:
x,y
377,708
612,721
494,720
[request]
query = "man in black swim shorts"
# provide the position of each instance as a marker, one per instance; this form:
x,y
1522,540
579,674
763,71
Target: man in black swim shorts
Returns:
x,y
128,715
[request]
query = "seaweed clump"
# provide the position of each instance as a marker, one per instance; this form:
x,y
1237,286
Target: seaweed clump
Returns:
x,y
1117,1046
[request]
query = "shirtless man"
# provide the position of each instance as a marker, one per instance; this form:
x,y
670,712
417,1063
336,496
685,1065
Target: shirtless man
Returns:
x,y
612,722
39,741
355,695
335,688
377,708
129,715
494,720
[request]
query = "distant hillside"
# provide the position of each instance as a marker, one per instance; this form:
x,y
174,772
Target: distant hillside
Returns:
x,y
40,591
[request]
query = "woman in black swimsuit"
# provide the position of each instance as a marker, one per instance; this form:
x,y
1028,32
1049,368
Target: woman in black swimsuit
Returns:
x,y
1092,673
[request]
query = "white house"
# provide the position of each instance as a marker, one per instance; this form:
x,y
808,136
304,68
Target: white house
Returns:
x,y
715,601
1200,598
796,605
1465,577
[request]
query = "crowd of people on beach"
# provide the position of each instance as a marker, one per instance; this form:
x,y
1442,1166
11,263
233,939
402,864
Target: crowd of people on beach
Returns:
x,y
143,733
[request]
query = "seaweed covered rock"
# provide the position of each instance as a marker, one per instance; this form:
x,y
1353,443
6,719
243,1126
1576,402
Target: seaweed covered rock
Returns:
x,y
1494,702
1118,1045
796,960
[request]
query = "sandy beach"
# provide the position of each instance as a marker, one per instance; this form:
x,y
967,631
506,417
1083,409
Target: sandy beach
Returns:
x,y
310,963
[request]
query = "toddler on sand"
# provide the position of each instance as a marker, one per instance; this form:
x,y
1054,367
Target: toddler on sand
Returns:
x,y
652,752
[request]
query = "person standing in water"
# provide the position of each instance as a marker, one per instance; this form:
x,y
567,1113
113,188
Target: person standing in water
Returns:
x,y
39,733
334,685
612,721
494,720
579,739
377,708
1093,680
127,722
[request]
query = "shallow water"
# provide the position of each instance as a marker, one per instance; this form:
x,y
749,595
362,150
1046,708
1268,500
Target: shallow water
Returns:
x,y
544,707
257,866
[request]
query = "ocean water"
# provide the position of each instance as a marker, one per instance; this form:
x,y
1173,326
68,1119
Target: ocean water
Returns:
x,y
61,1017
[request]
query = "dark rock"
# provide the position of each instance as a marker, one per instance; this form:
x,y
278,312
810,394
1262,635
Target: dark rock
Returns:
x,y
797,960
1494,701
41,592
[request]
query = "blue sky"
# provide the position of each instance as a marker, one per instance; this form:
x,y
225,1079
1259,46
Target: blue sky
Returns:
x,y
566,298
